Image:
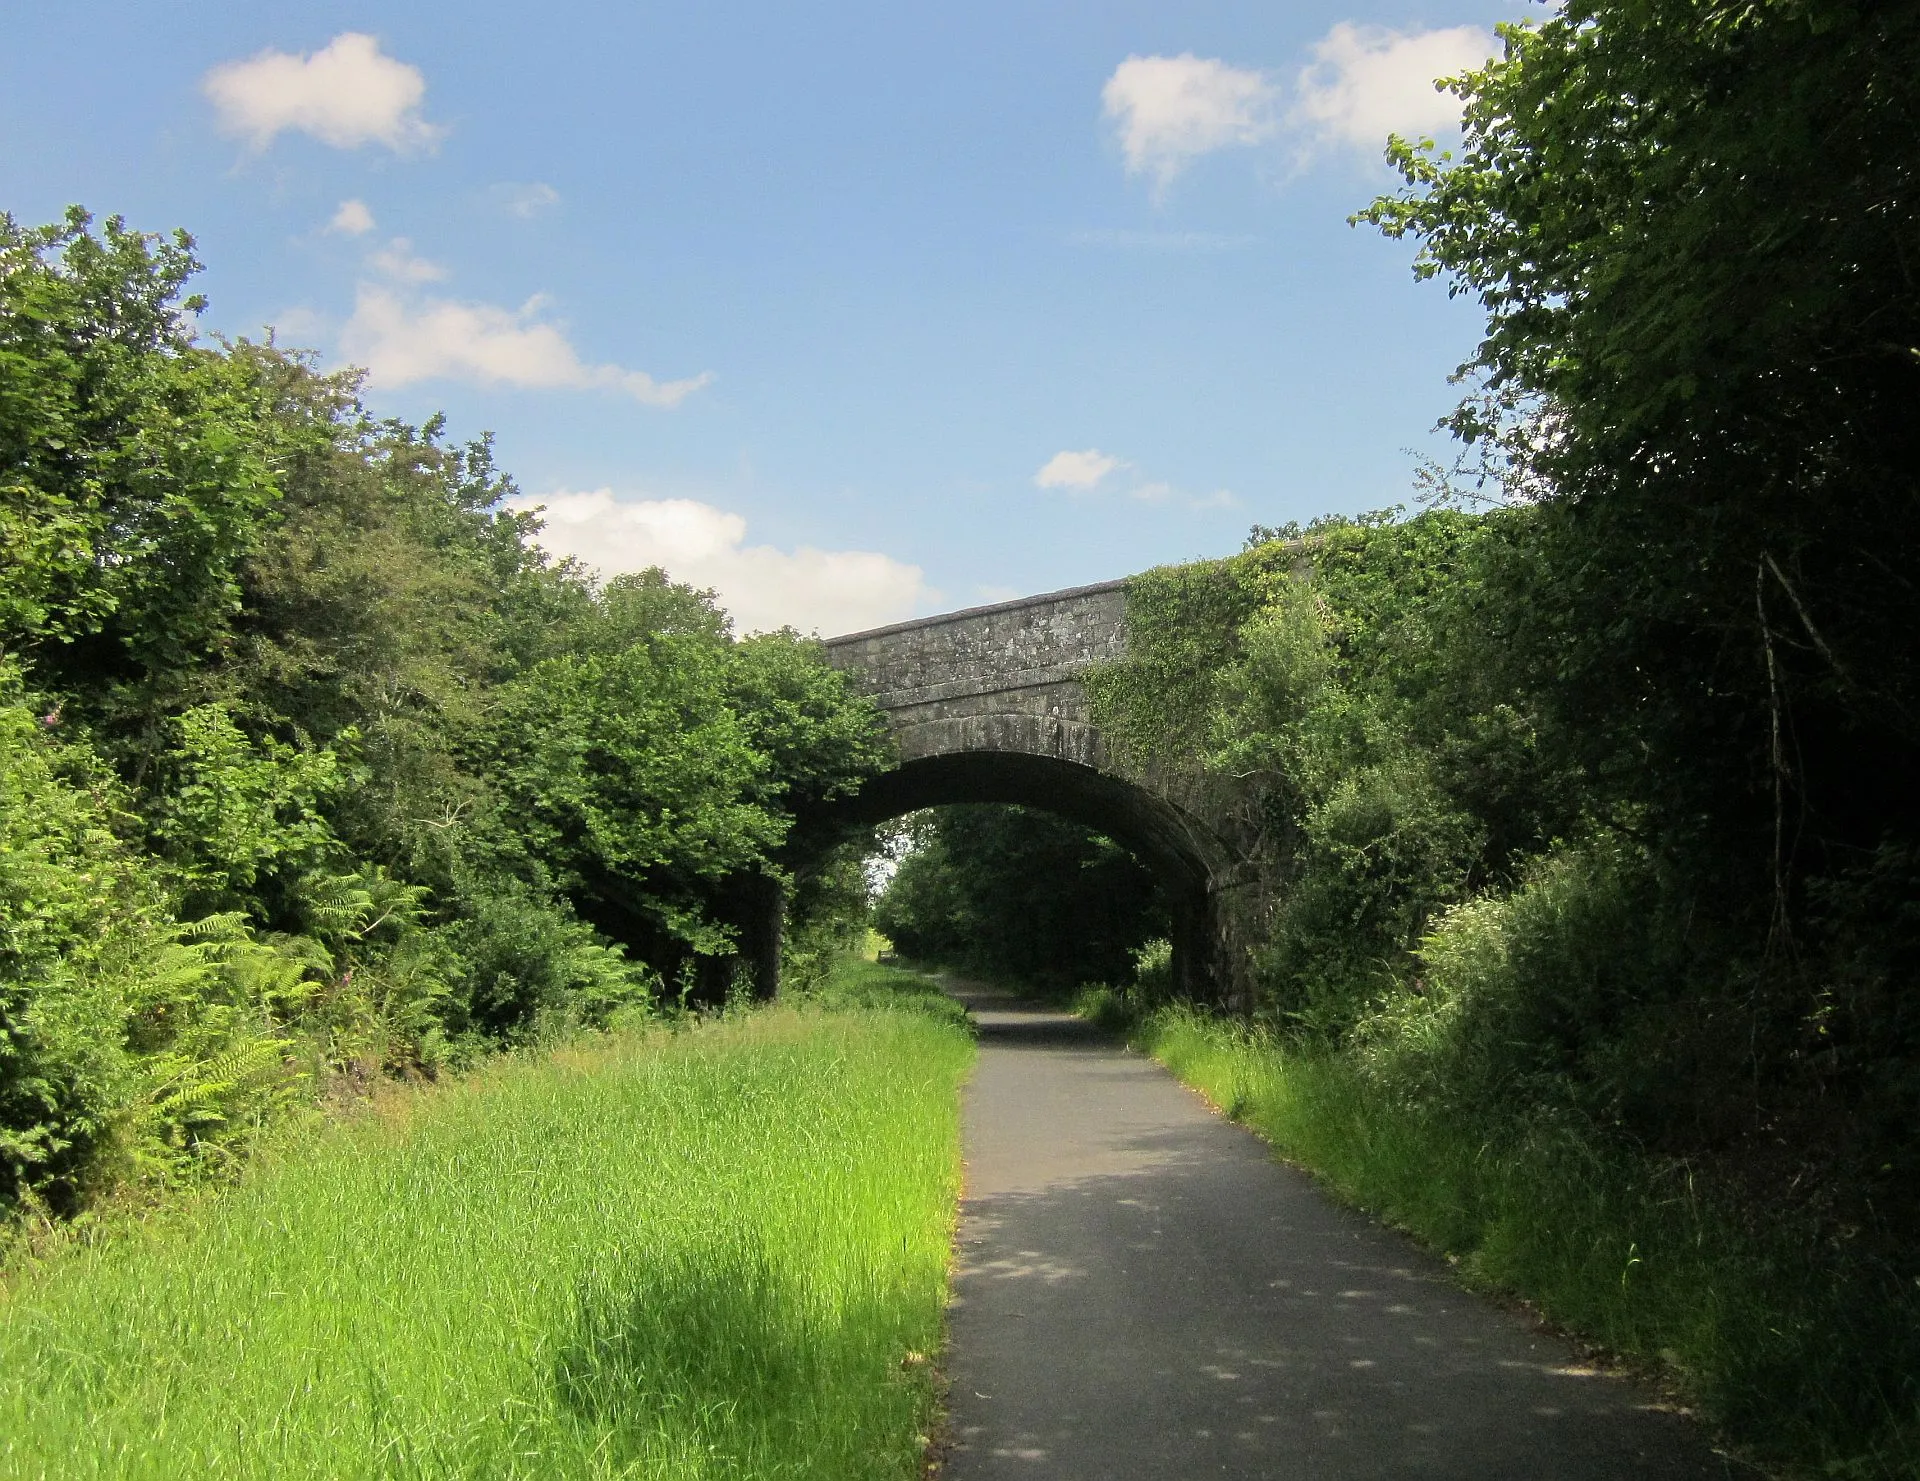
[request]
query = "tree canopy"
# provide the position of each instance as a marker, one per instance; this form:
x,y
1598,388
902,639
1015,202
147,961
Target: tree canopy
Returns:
x,y
1016,893
315,764
1690,223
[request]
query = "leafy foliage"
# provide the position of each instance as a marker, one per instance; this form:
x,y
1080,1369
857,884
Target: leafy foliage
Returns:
x,y
312,764
1012,892
130,482
1689,225
126,1038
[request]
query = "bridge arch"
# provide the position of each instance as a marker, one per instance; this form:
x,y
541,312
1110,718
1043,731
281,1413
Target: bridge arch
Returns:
x,y
1182,856
1179,852
987,705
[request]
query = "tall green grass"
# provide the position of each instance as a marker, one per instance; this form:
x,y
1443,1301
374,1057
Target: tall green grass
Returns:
x,y
1796,1352
719,1252
858,983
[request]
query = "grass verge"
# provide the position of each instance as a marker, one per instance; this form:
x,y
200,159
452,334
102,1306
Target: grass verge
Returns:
x,y
718,1252
1802,1356
855,983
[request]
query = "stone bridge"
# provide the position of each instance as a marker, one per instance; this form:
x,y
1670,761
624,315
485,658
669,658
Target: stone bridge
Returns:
x,y
987,705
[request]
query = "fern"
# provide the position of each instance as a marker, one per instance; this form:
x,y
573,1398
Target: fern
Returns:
x,y
203,1093
352,907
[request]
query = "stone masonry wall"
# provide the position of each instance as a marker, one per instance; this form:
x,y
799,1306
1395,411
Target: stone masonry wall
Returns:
x,y
998,678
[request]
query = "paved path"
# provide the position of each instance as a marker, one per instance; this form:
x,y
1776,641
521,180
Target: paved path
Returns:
x,y
1143,1292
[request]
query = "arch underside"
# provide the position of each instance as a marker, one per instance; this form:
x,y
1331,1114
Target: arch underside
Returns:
x,y
1179,852
1160,836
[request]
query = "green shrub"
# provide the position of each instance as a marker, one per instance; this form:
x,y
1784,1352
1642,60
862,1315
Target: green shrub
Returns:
x,y
1153,970
526,967
130,1043
1582,992
235,811
1106,1007
1518,990
1381,849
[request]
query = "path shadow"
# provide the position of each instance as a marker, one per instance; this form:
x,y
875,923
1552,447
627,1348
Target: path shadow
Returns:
x,y
1143,1292
1002,1018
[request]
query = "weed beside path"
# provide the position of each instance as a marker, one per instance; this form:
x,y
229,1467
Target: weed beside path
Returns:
x,y
706,1253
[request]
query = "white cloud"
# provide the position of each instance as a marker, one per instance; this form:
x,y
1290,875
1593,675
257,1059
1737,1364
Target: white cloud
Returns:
x,y
1366,82
346,94
826,591
1171,110
525,200
1081,470
401,341
396,260
353,219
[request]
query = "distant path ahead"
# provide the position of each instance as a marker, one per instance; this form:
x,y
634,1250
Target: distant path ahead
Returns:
x,y
1144,1292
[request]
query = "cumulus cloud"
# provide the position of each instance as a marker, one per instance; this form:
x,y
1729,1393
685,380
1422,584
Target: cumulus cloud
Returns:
x,y
525,200
825,591
1168,111
1366,82
353,219
397,260
1082,470
401,340
347,94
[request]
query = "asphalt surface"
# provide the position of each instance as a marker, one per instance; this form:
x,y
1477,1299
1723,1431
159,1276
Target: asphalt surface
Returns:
x,y
1144,1292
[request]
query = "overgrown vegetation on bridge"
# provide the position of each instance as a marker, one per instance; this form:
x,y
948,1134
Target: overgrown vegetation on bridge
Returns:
x,y
312,766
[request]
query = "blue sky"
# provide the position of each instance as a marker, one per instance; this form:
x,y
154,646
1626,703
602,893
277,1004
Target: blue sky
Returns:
x,y
851,311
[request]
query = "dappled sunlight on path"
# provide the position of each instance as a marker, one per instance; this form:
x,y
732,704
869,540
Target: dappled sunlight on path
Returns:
x,y
1144,1292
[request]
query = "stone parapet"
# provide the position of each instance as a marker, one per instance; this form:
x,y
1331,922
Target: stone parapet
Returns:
x,y
1039,643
